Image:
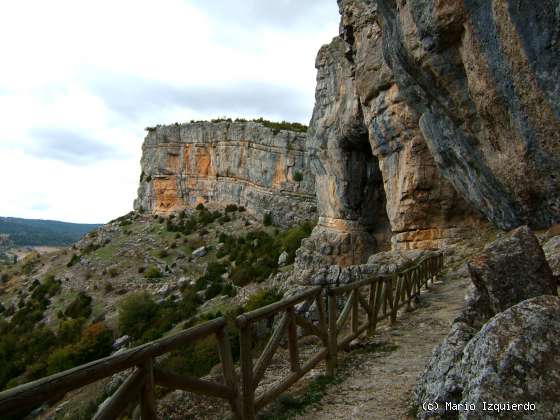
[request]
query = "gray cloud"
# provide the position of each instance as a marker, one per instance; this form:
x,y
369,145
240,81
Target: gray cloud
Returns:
x,y
280,13
133,98
69,146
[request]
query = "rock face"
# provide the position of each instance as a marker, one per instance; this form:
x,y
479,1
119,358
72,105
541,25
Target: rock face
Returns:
x,y
430,114
551,249
474,361
243,163
510,270
513,358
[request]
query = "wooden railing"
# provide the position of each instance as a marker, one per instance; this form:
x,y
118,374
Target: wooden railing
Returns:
x,y
140,383
362,305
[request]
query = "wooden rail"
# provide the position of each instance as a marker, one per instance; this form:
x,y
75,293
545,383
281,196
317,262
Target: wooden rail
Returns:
x,y
362,305
140,383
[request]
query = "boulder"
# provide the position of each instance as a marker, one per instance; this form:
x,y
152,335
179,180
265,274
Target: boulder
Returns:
x,y
511,269
514,358
508,272
121,342
200,252
551,250
283,259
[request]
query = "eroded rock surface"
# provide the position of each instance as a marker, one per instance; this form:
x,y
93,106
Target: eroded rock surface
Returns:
x,y
242,163
510,270
441,112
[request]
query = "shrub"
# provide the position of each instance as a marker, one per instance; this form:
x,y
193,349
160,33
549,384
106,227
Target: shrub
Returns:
x,y
267,219
230,208
73,260
200,207
214,290
69,330
80,307
229,290
135,313
96,342
152,272
113,272
262,298
163,253
241,209
298,176
61,359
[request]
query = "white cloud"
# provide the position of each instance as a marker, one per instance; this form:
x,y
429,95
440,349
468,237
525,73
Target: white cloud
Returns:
x,y
81,79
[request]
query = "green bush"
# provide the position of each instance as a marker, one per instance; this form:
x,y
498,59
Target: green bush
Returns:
x,y
267,219
230,208
298,176
95,342
135,314
69,330
80,307
152,272
200,206
73,260
262,298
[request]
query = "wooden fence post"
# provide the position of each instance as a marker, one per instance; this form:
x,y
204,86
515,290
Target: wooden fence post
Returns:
x,y
148,399
246,359
292,340
355,311
332,341
394,297
229,371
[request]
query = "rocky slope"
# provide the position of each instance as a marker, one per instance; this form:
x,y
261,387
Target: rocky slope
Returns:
x,y
243,163
446,111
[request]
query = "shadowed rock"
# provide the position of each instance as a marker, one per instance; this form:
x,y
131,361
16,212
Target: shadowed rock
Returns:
x,y
510,270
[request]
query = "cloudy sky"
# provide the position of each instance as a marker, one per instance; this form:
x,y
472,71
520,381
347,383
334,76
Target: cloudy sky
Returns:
x,y
80,80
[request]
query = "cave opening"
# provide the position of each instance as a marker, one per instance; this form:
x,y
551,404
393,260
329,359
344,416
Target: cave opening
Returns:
x,y
366,199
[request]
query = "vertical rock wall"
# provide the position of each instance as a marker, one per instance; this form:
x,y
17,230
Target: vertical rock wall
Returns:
x,y
243,163
453,104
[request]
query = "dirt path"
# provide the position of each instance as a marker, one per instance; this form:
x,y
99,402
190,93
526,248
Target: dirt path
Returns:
x,y
380,373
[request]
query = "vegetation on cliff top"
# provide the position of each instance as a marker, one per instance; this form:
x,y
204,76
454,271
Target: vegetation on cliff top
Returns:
x,y
274,125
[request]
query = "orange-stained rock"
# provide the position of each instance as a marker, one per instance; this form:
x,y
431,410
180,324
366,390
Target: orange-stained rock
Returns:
x,y
243,163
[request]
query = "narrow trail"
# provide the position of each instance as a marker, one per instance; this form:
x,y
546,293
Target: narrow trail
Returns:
x,y
379,373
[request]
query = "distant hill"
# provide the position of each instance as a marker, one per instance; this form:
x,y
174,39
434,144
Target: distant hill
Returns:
x,y
32,232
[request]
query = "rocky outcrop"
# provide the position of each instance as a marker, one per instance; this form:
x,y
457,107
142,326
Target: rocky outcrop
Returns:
x,y
512,359
511,270
243,163
551,249
440,112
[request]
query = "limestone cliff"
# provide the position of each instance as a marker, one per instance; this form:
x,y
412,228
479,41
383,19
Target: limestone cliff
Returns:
x,y
446,110
243,163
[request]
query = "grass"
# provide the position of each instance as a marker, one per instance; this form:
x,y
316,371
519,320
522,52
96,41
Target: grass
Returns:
x,y
377,347
290,405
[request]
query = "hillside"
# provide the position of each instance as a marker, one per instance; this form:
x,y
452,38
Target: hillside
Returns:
x,y
35,232
162,273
